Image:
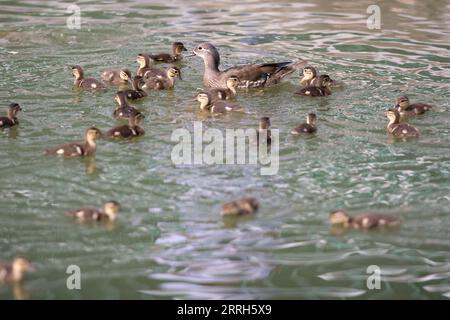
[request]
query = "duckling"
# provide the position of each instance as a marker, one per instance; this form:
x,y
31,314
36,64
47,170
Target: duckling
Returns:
x,y
240,207
78,149
405,109
136,92
264,130
117,77
85,83
363,221
397,129
219,106
228,93
309,75
307,127
144,62
177,49
320,87
11,119
128,131
123,109
14,271
109,212
163,83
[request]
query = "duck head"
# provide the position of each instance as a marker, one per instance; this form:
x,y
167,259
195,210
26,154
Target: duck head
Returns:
x,y
13,109
92,134
393,115
143,60
125,75
204,100
121,98
309,73
208,52
233,82
311,119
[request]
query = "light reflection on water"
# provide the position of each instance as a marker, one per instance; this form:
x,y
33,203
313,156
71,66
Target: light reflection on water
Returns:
x,y
170,241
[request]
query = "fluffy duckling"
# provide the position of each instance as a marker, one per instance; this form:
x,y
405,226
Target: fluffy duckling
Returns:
x,y
78,149
397,129
163,83
320,87
177,49
136,92
264,130
128,131
117,77
240,207
306,127
14,271
363,221
228,93
145,68
219,106
123,109
85,83
309,75
405,109
109,212
11,119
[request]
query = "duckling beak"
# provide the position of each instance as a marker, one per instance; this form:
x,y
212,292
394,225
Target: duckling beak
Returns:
x,y
184,49
179,76
396,106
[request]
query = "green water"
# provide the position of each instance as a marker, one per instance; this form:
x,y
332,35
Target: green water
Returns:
x,y
170,241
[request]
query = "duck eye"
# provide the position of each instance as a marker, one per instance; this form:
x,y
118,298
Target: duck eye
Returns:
x,y
200,48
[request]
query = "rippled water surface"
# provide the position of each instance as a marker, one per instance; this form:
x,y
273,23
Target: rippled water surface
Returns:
x,y
170,241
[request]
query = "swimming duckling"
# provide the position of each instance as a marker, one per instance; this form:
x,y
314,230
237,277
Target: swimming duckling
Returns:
x,y
117,77
144,62
228,93
240,207
14,271
109,212
397,129
136,92
219,106
128,131
85,83
123,109
320,87
363,221
405,109
177,49
264,130
78,149
163,83
307,127
11,119
309,75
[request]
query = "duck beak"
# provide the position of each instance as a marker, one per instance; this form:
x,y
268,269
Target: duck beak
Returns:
x,y
192,54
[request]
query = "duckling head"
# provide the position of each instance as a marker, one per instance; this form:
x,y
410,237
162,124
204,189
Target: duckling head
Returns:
x,y
402,102
339,217
111,209
311,119
77,72
309,73
207,51
121,98
143,60
13,109
92,134
204,100
136,119
325,80
20,265
174,72
178,47
125,75
264,123
233,82
393,115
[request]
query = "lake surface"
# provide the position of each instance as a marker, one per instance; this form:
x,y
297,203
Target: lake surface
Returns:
x,y
170,241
